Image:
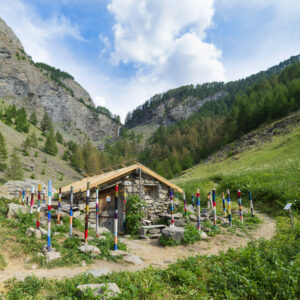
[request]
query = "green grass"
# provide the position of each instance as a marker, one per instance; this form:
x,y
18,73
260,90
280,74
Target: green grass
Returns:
x,y
271,172
14,232
261,270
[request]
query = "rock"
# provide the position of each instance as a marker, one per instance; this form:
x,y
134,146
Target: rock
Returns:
x,y
102,237
133,259
143,237
203,235
115,253
52,255
108,290
90,249
99,272
142,231
37,233
205,229
177,222
76,214
154,230
43,231
178,216
193,218
190,208
155,236
15,209
175,233
30,231
146,222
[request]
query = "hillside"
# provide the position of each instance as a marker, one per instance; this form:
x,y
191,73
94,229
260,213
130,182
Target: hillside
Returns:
x,y
181,103
269,167
42,88
38,163
253,102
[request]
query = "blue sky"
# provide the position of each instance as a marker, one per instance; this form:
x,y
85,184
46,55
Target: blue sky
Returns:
x,y
125,51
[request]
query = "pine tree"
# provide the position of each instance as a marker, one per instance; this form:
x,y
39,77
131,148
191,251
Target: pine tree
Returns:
x,y
77,160
3,153
33,140
33,118
21,122
50,144
46,123
26,145
59,137
15,170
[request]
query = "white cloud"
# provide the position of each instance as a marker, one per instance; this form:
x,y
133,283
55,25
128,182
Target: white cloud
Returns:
x,y
38,36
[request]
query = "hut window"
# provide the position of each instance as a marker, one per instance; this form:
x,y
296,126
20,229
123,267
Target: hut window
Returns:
x,y
151,190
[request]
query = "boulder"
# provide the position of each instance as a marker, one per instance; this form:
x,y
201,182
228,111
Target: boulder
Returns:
x,y
108,290
99,272
52,255
133,259
90,249
15,209
102,230
154,230
203,235
118,253
193,218
155,236
143,237
175,233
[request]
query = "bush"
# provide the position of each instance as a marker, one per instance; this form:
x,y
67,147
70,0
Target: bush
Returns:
x,y
167,242
191,234
134,214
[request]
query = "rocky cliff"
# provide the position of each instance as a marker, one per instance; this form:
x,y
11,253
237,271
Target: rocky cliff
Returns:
x,y
27,84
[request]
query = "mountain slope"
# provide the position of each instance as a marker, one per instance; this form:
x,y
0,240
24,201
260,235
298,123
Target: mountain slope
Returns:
x,y
41,88
181,103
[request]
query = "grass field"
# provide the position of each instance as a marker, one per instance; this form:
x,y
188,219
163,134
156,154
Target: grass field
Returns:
x,y
271,172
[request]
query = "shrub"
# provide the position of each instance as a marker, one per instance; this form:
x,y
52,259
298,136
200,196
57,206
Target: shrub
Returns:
x,y
134,214
32,176
191,234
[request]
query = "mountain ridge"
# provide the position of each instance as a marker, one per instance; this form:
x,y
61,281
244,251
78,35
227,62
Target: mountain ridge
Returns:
x,y
40,88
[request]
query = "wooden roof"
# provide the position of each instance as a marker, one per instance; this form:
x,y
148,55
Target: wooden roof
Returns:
x,y
97,180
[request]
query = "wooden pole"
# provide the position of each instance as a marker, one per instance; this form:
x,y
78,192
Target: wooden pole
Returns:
x,y
184,203
116,217
49,216
31,200
71,212
240,206
224,207
229,208
38,207
193,200
27,198
20,197
23,197
59,206
198,210
87,208
251,203
124,211
140,183
44,196
172,208
97,212
214,207
208,200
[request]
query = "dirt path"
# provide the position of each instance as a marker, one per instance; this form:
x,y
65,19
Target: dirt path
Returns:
x,y
151,253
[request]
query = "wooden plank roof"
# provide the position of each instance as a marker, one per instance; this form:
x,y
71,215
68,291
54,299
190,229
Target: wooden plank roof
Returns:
x,y
97,180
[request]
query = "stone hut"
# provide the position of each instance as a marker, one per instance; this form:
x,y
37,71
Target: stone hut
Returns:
x,y
134,180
